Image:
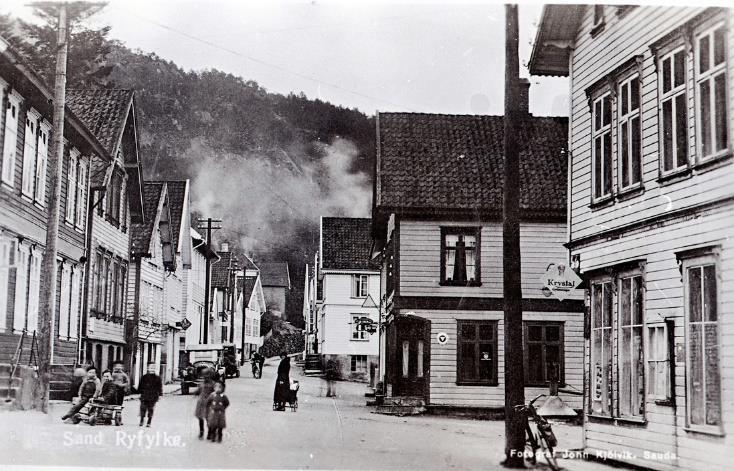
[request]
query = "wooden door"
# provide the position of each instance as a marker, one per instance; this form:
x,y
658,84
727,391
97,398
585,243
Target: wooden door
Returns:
x,y
412,356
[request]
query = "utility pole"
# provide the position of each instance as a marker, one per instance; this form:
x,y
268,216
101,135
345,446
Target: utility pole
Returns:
x,y
514,376
244,311
208,280
48,272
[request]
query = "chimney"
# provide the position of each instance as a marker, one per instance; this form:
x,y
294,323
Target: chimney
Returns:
x,y
524,96
224,247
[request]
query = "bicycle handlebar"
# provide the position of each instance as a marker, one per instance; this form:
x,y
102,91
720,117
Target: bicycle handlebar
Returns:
x,y
536,398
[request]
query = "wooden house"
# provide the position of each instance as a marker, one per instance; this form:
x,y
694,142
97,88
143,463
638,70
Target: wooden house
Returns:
x,y
153,261
115,202
223,296
651,217
250,295
350,289
276,281
25,142
437,227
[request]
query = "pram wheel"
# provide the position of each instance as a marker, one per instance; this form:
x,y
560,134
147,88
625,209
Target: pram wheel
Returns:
x,y
76,419
118,419
93,420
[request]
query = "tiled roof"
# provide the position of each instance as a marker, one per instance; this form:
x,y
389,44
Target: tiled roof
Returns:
x,y
455,162
140,233
176,194
102,111
98,171
249,285
345,243
275,274
221,270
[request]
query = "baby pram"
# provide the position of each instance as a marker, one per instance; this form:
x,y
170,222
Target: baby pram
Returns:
x,y
97,412
291,396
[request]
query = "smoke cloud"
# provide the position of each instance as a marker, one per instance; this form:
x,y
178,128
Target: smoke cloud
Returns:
x,y
271,201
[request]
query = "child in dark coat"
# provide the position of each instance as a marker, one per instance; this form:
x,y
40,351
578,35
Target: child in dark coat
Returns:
x,y
216,406
150,388
204,391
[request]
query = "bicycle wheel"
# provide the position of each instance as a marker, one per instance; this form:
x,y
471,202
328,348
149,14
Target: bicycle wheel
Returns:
x,y
548,452
531,446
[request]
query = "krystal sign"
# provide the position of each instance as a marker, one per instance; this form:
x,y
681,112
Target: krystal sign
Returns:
x,y
559,280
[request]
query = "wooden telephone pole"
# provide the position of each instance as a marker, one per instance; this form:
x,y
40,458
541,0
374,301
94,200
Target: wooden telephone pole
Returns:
x,y
47,293
514,375
207,282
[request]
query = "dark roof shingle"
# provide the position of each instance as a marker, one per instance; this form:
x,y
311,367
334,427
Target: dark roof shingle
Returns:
x,y
176,195
140,233
220,270
275,274
345,243
103,111
455,162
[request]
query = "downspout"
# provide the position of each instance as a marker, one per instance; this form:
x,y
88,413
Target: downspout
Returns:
x,y
87,268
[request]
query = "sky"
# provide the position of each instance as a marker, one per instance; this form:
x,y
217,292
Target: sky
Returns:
x,y
432,57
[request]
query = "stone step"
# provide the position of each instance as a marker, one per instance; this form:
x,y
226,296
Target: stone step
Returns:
x,y
411,401
58,395
392,409
12,392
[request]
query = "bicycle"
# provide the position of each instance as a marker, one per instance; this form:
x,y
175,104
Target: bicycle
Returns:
x,y
256,371
545,439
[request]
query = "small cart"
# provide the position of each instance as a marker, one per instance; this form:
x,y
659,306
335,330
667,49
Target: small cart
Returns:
x,y
96,412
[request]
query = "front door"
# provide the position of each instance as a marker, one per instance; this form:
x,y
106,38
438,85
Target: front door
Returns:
x,y
412,356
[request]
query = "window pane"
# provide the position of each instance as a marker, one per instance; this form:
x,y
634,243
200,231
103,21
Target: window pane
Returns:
x,y
703,54
636,148
637,380
637,300
597,167
608,304
705,117
681,129
625,98
535,333
713,388
719,54
450,263
552,360
468,331
668,135
406,358
624,301
486,361
666,74
535,363
486,332
694,294
634,94
680,68
471,267
597,296
720,99
552,333
625,155
419,358
709,293
468,362
625,371
607,163
451,240
696,402
597,115
607,117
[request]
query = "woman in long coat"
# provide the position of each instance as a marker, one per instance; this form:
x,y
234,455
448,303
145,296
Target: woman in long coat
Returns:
x,y
204,391
282,383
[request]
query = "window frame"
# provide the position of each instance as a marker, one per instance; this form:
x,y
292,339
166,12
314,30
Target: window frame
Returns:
x,y
606,282
658,357
616,354
707,29
363,335
43,137
700,260
543,342
627,118
72,175
360,284
672,95
355,361
493,380
30,154
600,133
10,147
474,231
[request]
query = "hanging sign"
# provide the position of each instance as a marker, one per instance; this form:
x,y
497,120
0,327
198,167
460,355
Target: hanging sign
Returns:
x,y
442,338
559,280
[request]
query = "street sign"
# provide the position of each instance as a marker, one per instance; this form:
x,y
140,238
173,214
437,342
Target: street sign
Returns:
x,y
442,338
559,280
185,323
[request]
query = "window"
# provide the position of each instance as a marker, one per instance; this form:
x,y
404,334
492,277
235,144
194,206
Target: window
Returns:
x,y
673,111
406,358
41,160
601,348
628,133
21,288
64,300
359,363
710,67
34,288
7,260
29,152
358,330
476,362
113,197
602,147
81,195
71,185
658,362
460,254
702,343
631,381
12,110
76,275
360,286
543,352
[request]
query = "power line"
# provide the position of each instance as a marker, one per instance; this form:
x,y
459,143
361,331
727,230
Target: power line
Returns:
x,y
262,62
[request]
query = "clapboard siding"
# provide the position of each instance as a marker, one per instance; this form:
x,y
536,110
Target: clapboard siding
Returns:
x,y
420,258
656,244
443,387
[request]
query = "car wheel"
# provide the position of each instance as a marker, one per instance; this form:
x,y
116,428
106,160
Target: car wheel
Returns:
x,y
237,374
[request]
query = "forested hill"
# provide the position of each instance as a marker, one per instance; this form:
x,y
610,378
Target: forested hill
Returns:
x,y
268,165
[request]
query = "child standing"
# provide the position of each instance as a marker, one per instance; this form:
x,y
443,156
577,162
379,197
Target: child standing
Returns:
x,y
150,388
216,405
204,391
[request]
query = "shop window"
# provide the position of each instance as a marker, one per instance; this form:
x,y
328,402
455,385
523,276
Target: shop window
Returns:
x,y
543,352
476,354
358,363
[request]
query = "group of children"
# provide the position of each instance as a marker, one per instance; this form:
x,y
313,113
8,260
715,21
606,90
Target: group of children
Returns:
x,y
114,386
211,406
